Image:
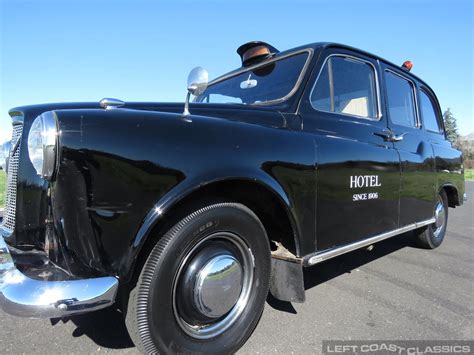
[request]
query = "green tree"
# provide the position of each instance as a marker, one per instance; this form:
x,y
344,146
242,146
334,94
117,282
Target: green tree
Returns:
x,y
450,125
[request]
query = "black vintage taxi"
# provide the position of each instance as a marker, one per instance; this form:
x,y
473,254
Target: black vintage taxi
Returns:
x,y
186,216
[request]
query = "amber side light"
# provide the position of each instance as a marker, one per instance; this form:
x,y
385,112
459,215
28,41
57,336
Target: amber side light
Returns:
x,y
407,65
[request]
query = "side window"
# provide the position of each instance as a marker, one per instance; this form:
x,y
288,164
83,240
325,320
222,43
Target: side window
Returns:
x,y
428,113
346,86
223,99
400,97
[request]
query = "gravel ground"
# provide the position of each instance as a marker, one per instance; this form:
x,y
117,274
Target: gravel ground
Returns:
x,y
394,292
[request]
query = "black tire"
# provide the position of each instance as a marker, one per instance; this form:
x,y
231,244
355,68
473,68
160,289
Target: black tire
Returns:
x,y
153,316
431,237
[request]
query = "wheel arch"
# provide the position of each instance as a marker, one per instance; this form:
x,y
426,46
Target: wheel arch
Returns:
x,y
266,198
452,193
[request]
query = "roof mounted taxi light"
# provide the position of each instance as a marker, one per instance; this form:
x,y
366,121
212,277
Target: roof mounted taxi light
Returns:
x,y
407,65
255,51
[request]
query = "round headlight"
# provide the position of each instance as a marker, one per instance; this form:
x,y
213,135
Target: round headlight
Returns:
x,y
42,141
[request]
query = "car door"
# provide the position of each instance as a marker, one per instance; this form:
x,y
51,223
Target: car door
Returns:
x,y
358,171
417,185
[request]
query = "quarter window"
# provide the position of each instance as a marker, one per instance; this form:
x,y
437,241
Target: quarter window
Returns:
x,y
430,119
346,86
400,97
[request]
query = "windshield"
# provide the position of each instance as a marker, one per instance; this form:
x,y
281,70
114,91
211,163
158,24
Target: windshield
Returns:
x,y
257,85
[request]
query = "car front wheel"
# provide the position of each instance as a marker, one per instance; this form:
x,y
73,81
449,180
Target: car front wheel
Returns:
x,y
204,285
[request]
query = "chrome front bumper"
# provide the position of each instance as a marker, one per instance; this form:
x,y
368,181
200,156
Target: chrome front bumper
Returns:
x,y
26,297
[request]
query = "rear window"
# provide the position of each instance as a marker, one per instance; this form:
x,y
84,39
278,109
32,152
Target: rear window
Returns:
x,y
401,102
429,116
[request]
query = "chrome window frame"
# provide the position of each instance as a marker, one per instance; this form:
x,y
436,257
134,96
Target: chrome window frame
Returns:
x,y
379,115
415,99
295,88
430,98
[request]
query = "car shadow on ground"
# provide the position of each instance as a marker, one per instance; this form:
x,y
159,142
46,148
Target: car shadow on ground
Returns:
x,y
107,327
318,274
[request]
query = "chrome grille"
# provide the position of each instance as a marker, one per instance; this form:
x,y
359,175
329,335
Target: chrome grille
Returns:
x,y
12,179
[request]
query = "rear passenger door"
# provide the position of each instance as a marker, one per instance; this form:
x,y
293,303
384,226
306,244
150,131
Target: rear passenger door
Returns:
x,y
358,173
417,185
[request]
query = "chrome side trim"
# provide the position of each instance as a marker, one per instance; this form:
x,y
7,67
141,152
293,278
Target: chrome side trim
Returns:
x,y
26,297
320,256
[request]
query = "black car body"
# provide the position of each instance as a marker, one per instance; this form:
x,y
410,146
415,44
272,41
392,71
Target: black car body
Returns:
x,y
354,153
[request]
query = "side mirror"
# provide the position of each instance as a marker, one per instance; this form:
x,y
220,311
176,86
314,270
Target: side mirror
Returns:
x,y
198,80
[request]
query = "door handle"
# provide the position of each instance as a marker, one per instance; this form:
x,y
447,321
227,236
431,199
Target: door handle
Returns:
x,y
389,136
385,134
398,137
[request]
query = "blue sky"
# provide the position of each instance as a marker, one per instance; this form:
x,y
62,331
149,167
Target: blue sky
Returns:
x,y
68,50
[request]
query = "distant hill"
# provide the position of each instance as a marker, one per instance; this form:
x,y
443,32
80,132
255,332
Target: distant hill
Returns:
x,y
469,137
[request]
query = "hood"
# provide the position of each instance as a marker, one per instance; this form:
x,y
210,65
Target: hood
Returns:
x,y
266,116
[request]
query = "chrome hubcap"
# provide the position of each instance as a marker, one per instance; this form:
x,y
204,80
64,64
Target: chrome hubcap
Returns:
x,y
212,286
218,286
440,217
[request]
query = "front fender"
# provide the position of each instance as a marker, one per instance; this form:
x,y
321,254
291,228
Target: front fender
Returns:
x,y
161,209
120,170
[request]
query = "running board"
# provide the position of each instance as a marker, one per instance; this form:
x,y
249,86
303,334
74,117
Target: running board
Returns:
x,y
319,256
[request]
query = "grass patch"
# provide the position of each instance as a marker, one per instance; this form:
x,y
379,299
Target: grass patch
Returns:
x,y
469,174
3,178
